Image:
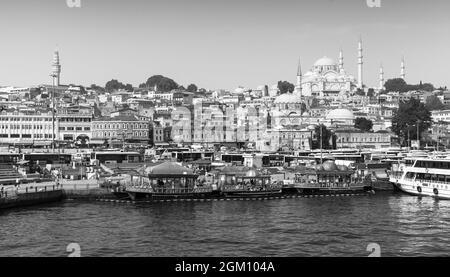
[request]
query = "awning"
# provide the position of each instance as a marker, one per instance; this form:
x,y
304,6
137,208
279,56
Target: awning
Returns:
x,y
162,144
42,143
96,142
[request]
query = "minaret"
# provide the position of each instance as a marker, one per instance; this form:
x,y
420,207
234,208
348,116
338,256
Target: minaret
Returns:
x,y
56,66
381,78
341,61
298,87
360,64
402,69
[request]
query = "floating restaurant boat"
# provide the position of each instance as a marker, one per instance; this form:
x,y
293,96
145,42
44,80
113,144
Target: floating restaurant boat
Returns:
x,y
328,178
169,181
235,182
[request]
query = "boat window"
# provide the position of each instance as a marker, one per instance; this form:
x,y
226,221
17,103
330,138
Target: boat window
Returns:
x,y
410,175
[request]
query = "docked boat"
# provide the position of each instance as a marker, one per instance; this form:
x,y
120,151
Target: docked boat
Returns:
x,y
235,182
328,178
168,181
423,176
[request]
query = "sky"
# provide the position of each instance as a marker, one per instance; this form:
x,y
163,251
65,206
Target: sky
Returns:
x,y
219,44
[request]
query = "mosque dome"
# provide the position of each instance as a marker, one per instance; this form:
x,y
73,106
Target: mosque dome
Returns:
x,y
341,114
287,98
342,167
325,61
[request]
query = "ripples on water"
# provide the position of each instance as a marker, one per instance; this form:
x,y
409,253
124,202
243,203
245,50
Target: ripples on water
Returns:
x,y
337,226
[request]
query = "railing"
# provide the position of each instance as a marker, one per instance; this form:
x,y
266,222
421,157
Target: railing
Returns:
x,y
148,189
11,193
255,189
325,185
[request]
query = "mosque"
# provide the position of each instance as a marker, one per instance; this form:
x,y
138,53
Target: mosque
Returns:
x,y
329,79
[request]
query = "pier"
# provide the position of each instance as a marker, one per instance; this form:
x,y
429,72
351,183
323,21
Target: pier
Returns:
x,y
29,197
48,192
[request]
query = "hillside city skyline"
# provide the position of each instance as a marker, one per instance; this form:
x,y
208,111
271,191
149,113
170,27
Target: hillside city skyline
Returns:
x,y
248,45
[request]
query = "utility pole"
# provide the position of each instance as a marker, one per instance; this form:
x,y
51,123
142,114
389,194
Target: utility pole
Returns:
x,y
321,146
53,111
418,134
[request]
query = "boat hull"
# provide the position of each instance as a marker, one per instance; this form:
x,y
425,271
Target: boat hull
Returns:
x,y
136,196
251,194
421,190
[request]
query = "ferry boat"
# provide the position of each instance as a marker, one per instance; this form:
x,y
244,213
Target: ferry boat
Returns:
x,y
328,178
423,176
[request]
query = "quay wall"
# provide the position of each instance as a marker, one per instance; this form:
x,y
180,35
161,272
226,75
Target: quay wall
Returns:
x,y
88,194
33,198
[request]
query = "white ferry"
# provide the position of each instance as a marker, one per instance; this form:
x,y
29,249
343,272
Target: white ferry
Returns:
x,y
423,176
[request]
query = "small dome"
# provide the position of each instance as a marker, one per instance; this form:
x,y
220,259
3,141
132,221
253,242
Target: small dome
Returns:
x,y
287,98
169,168
329,166
325,61
341,114
342,168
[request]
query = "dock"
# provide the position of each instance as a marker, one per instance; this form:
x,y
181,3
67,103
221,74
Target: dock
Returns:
x,y
40,195
48,192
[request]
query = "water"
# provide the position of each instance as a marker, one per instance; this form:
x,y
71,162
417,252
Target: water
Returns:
x,y
332,226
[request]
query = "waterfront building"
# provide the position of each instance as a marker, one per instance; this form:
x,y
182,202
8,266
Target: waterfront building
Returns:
x,y
349,137
440,115
26,126
74,123
290,138
122,128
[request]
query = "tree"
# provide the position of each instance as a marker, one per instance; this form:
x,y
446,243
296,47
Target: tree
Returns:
x,y
408,116
363,124
114,85
397,85
371,92
163,84
192,88
285,86
360,92
129,87
97,88
315,103
434,103
327,137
